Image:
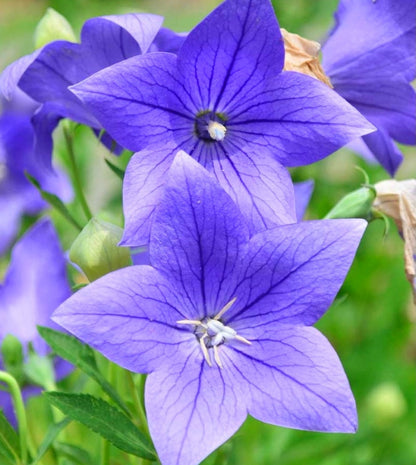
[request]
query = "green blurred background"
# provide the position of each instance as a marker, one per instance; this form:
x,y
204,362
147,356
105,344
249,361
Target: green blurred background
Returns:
x,y
371,323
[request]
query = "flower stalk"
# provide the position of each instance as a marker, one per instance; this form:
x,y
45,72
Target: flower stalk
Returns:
x,y
76,174
20,413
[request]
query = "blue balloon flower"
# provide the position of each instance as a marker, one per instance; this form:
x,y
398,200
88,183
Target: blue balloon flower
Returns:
x,y
221,322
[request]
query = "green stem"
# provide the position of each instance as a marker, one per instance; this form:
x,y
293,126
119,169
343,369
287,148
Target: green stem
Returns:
x,y
19,407
139,399
105,445
75,173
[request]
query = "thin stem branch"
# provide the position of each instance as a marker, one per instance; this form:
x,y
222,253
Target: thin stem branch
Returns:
x,y
19,407
75,173
138,400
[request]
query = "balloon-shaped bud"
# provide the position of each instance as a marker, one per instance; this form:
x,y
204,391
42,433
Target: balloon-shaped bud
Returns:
x,y
53,26
96,249
356,204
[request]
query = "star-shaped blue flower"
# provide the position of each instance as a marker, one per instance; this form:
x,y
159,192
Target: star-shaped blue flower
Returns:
x,y
224,100
370,59
222,322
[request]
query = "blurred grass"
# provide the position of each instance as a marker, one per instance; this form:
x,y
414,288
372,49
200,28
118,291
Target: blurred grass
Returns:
x,y
371,323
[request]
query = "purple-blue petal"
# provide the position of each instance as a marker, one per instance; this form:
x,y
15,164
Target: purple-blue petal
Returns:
x,y
167,40
388,105
299,119
258,184
135,100
231,53
197,237
130,316
372,41
192,409
10,77
385,150
142,191
11,208
34,285
303,193
115,38
295,379
291,274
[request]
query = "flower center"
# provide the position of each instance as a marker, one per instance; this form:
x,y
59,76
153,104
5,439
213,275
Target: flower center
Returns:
x,y
211,333
210,126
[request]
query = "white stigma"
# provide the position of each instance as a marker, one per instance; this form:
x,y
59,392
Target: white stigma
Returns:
x,y
216,130
212,333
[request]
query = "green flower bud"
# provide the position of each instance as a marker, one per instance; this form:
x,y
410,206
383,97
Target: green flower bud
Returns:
x,y
53,26
12,354
386,404
356,204
39,370
96,252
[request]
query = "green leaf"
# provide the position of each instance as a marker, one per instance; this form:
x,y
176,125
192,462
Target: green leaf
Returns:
x,y
115,169
9,441
73,453
82,356
55,202
50,436
105,420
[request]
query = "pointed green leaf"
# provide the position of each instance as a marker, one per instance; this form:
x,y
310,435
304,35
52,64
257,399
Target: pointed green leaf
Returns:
x,y
55,202
82,356
105,420
50,436
73,453
115,169
9,441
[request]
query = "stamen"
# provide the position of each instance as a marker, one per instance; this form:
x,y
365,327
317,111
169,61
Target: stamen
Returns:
x,y
211,333
204,349
242,339
224,309
216,130
217,357
189,322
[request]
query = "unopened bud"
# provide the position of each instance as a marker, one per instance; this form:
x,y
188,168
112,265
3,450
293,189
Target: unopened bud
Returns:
x,y
53,26
39,370
356,204
11,350
96,249
12,354
386,403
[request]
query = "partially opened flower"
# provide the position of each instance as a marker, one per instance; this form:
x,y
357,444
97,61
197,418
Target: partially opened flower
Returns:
x,y
46,74
370,60
222,322
34,285
224,100
17,156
